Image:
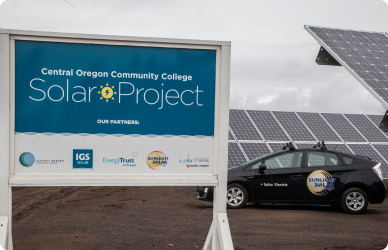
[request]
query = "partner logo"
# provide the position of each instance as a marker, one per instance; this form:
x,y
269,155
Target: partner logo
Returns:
x,y
320,182
201,160
82,158
49,162
107,92
122,161
186,160
27,159
157,159
197,166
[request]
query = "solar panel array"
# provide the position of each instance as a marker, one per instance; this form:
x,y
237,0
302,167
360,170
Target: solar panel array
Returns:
x,y
261,132
363,54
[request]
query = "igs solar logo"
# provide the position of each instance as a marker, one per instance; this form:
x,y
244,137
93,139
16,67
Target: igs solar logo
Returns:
x,y
82,158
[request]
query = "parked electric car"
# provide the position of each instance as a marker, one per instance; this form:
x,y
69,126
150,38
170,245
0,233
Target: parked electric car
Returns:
x,y
305,176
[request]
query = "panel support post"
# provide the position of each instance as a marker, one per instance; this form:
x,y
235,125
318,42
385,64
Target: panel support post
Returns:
x,y
4,142
5,195
219,237
3,231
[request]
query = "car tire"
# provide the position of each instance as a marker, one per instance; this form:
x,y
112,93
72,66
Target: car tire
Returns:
x,y
354,201
237,196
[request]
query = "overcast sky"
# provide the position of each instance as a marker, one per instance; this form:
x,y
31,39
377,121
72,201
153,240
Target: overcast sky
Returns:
x,y
273,57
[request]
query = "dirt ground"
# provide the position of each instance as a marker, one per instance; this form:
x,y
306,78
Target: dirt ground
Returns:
x,y
172,218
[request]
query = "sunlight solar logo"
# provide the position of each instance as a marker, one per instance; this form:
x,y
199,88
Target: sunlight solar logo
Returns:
x,y
27,159
157,159
320,182
107,92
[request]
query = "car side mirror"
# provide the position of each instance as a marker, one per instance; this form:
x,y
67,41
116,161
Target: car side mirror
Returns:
x,y
262,168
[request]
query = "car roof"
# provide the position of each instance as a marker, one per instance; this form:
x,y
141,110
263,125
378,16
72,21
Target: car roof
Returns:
x,y
310,149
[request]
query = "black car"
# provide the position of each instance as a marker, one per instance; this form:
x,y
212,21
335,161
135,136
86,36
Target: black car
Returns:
x,y
305,176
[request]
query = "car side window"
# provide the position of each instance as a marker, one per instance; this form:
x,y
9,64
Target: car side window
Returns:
x,y
288,160
318,159
254,167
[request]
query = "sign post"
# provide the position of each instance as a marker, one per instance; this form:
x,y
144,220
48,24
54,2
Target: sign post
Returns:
x,y
93,110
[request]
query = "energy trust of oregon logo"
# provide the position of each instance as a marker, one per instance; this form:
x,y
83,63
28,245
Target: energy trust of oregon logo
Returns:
x,y
157,159
320,182
27,159
107,92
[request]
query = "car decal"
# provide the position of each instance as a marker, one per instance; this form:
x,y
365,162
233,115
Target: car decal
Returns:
x,y
320,182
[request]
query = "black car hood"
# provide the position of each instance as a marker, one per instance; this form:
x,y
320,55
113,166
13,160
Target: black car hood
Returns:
x,y
236,171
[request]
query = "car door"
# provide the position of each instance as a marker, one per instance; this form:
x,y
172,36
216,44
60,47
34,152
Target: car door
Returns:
x,y
281,180
325,174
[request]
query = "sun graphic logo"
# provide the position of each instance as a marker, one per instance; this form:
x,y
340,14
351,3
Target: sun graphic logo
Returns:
x,y
107,92
156,159
320,182
134,154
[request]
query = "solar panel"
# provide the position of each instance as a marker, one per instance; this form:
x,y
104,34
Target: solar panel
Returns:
x,y
319,127
254,150
366,127
277,146
343,127
376,119
367,150
241,126
294,127
230,136
235,155
267,125
383,150
365,53
339,147
305,145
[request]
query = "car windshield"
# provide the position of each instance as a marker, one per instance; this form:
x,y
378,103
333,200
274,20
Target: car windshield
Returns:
x,y
255,159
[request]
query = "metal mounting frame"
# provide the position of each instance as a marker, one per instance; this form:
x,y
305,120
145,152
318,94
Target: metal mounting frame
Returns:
x,y
219,235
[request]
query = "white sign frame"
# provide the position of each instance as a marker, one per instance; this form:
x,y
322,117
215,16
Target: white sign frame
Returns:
x,y
219,235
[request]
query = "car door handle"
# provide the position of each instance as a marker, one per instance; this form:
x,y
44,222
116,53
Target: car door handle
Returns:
x,y
339,173
250,177
296,177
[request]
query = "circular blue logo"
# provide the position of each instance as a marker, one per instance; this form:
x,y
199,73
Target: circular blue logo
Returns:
x,y
27,159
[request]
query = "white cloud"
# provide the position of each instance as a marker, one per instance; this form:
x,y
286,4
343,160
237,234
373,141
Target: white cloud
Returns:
x,y
273,57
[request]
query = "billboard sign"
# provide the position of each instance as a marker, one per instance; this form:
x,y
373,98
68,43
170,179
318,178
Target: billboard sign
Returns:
x,y
83,108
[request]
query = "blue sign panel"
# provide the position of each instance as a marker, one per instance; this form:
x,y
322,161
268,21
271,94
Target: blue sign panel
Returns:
x,y
107,89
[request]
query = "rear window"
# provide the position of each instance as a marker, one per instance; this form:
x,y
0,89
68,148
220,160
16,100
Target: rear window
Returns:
x,y
347,160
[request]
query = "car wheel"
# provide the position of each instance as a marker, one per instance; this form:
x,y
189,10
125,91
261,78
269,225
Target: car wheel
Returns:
x,y
237,196
354,201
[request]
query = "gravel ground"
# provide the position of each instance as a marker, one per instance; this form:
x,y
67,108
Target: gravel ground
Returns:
x,y
172,218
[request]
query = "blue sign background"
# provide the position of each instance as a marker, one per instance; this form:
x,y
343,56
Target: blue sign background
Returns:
x,y
81,117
